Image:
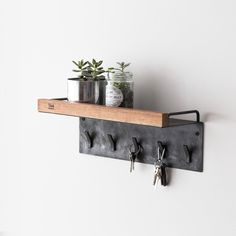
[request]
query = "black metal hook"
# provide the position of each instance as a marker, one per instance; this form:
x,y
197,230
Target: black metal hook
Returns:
x,y
112,142
160,146
187,153
88,139
136,144
186,112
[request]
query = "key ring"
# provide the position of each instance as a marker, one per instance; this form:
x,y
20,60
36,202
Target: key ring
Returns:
x,y
159,158
134,153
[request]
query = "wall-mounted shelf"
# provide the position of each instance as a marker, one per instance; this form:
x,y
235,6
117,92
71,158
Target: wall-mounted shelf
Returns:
x,y
125,115
112,132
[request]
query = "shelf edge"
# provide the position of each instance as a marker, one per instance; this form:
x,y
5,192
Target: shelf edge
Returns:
x,y
118,114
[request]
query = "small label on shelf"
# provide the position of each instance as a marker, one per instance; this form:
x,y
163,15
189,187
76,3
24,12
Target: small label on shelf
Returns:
x,y
50,106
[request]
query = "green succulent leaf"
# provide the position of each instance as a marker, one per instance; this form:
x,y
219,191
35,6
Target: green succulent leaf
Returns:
x,y
90,69
94,62
122,66
117,69
75,63
99,63
100,72
90,64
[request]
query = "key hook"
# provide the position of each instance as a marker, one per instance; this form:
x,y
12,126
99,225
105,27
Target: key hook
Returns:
x,y
160,151
188,153
112,142
160,156
136,145
135,153
88,139
160,146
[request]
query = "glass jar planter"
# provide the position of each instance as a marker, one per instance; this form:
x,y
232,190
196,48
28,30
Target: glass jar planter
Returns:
x,y
120,90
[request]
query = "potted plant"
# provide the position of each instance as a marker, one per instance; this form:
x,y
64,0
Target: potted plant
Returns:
x,y
89,85
119,89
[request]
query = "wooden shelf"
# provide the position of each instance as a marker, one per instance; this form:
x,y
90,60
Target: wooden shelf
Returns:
x,y
118,114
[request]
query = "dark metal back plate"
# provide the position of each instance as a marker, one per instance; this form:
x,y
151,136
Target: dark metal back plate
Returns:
x,y
174,137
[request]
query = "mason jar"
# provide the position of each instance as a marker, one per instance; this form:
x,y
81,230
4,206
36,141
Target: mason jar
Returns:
x,y
120,90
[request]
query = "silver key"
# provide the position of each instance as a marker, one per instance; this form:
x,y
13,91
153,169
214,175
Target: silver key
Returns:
x,y
157,175
132,160
132,156
158,168
155,179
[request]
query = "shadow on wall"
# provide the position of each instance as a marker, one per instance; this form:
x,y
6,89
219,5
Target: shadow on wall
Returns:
x,y
166,91
158,91
211,116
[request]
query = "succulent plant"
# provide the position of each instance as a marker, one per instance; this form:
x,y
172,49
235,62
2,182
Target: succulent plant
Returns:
x,y
90,70
82,67
123,83
95,70
122,66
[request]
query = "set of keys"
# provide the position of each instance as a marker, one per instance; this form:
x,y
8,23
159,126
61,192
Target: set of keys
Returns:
x,y
160,169
159,165
132,157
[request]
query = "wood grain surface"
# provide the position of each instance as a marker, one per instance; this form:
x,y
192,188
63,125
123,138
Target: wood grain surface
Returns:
x,y
118,114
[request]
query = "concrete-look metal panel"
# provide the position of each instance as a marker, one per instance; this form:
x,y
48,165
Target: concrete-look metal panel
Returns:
x,y
174,137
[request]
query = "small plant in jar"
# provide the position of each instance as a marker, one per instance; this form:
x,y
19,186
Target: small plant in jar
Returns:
x,y
119,90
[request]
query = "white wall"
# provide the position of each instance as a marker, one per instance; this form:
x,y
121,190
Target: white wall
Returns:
x,y
183,55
